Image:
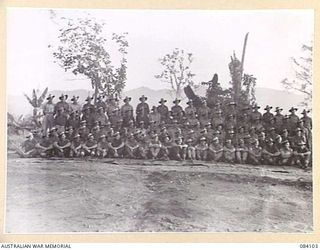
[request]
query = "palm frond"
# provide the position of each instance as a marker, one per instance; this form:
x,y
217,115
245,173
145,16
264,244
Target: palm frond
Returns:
x,y
32,103
41,98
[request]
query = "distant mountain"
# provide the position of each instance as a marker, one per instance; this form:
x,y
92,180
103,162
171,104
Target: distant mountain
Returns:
x,y
18,105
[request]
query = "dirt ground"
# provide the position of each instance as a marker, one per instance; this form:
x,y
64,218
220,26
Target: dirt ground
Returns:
x,y
143,196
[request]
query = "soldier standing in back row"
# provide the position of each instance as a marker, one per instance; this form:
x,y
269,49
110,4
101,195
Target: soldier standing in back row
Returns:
x,y
48,111
75,106
204,112
101,103
143,111
177,110
278,119
293,120
126,112
62,104
307,121
88,105
266,117
256,115
163,110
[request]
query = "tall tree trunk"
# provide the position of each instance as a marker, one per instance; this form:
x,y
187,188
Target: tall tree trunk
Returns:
x,y
96,92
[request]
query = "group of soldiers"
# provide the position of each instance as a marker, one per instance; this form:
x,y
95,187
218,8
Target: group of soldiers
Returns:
x,y
223,133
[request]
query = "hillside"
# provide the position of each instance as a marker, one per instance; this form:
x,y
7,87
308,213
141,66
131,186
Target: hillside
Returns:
x,y
18,105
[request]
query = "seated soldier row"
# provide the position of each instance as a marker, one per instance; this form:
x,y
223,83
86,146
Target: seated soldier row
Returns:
x,y
179,144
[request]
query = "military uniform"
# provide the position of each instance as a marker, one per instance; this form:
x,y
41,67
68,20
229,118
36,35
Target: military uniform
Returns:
x,y
266,117
62,104
278,120
75,106
163,110
48,111
177,110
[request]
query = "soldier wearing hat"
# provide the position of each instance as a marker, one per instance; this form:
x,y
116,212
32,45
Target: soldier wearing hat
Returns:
x,y
191,149
254,153
177,110
286,154
100,103
53,135
88,116
70,132
229,152
202,149
62,104
293,120
88,105
190,110
131,127
117,146
231,135
217,107
302,155
44,146
256,115
131,147
163,110
270,153
154,147
101,117
60,119
95,131
217,118
73,120
220,133
298,137
62,146
155,117
262,138
230,122
166,148
28,148
257,123
306,119
244,121
48,111
74,106
241,151
215,150
241,132
83,131
76,146
266,117
126,111
102,146
231,109
204,112
278,119
143,110
89,147
112,105
178,150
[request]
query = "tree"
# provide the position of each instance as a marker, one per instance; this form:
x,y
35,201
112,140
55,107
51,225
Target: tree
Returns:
x,y
176,70
243,86
36,103
302,83
83,50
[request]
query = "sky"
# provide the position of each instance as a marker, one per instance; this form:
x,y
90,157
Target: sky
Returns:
x,y
212,36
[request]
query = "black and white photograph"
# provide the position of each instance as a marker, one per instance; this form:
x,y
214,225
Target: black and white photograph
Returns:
x,y
131,120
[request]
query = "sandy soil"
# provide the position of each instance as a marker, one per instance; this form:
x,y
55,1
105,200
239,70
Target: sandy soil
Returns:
x,y
122,195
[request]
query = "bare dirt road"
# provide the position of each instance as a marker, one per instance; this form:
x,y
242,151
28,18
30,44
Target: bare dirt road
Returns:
x,y
126,196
